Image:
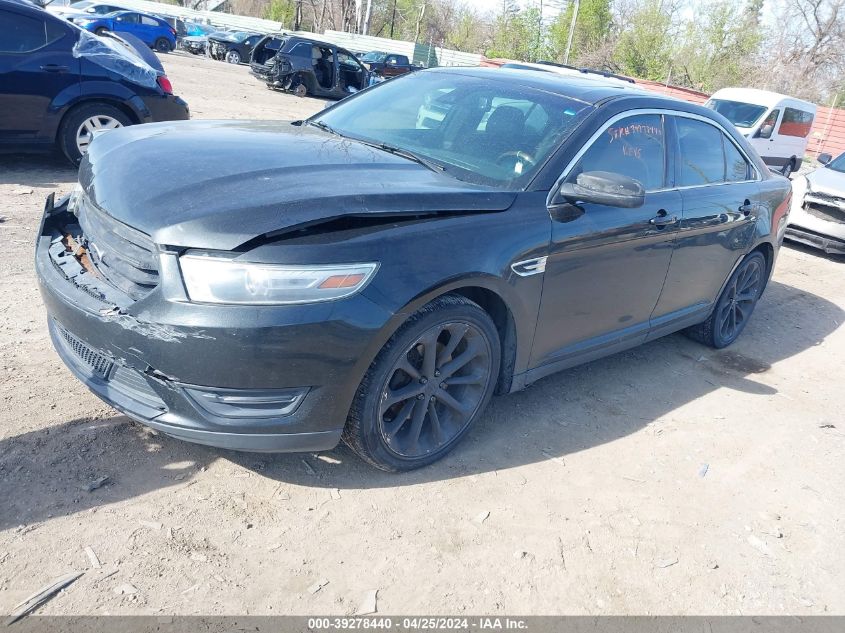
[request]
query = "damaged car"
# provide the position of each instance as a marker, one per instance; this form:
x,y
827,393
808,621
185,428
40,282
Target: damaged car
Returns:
x,y
307,67
234,48
61,85
818,206
359,278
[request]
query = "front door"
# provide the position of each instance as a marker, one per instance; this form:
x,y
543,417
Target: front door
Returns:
x,y
607,265
721,195
36,70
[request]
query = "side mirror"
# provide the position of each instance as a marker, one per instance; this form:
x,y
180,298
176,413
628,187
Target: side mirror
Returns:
x,y
825,158
766,131
602,187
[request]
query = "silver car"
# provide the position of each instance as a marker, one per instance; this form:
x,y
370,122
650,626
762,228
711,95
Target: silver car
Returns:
x,y
817,217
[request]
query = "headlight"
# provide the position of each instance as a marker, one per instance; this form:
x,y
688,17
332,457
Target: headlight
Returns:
x,y
211,279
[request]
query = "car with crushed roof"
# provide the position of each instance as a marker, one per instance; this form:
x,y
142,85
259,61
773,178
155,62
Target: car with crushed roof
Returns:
x,y
355,277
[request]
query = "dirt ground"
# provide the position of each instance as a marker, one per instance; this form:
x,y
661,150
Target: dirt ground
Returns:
x,y
671,479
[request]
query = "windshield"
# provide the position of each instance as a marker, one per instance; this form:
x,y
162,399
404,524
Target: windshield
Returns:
x,y
373,57
240,36
482,131
739,113
837,164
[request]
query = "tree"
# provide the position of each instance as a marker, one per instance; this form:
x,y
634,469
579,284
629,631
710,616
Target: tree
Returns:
x,y
720,46
283,11
592,29
646,41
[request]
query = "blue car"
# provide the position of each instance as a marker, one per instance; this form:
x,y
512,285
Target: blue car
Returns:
x,y
155,32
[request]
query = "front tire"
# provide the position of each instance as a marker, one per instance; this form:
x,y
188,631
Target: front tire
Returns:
x,y
788,169
233,57
77,129
430,382
101,31
736,303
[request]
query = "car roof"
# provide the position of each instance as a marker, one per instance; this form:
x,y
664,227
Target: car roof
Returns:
x,y
761,97
587,88
21,3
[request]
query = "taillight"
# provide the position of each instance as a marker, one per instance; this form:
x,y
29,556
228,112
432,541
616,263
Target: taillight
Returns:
x,y
173,31
164,84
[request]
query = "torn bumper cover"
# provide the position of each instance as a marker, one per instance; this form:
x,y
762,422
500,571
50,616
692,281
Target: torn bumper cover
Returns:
x,y
234,377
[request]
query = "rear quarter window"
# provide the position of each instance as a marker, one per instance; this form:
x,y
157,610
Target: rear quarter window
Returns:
x,y
25,34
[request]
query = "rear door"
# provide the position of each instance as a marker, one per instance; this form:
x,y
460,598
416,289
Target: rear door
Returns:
x,y
721,197
38,73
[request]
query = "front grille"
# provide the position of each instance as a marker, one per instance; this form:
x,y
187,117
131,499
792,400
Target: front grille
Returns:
x,y
124,257
98,363
130,382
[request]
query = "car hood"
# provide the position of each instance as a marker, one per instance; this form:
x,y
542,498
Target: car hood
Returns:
x,y
219,184
824,180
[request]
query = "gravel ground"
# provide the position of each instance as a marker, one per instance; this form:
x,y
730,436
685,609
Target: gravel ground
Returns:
x,y
671,479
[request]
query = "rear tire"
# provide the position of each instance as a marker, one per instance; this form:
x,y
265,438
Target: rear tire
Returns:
x,y
402,418
72,126
162,45
735,305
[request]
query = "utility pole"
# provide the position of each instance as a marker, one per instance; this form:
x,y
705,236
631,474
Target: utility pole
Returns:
x,y
539,33
571,31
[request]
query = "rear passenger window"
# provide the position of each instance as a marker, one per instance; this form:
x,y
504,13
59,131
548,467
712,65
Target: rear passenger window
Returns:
x,y
737,168
23,34
633,147
148,21
701,159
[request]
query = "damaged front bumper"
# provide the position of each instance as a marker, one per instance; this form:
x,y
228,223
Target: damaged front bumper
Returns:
x,y
234,377
818,220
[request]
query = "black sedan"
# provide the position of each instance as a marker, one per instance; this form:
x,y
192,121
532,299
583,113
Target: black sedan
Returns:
x,y
60,85
370,279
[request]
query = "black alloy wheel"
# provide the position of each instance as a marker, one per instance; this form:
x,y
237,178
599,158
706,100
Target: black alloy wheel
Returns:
x,y
430,382
735,304
434,389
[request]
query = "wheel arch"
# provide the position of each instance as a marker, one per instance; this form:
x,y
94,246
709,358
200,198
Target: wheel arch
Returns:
x,y
115,103
490,293
768,252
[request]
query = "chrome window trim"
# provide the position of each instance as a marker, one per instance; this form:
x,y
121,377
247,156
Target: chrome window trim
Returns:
x,y
666,112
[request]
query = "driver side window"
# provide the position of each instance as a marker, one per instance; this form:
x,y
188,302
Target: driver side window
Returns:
x,y
634,146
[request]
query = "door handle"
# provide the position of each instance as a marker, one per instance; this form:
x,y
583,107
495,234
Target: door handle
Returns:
x,y
746,208
663,219
54,68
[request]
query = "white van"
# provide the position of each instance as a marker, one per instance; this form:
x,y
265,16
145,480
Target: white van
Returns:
x,y
777,126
